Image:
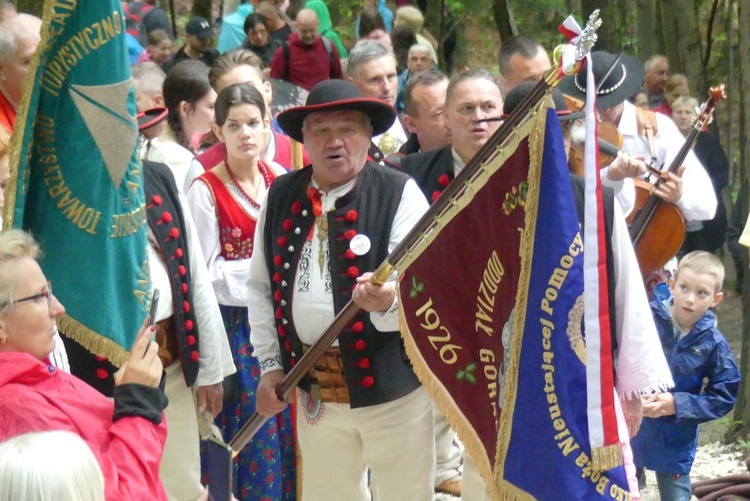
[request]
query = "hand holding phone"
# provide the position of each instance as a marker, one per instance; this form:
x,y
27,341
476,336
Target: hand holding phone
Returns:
x,y
152,311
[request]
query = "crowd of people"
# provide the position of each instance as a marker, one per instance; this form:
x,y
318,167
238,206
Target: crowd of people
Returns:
x,y
281,221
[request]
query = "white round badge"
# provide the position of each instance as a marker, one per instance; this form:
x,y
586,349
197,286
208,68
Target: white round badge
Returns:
x,y
360,244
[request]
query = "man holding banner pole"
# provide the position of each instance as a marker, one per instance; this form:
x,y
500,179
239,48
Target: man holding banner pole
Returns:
x,y
320,233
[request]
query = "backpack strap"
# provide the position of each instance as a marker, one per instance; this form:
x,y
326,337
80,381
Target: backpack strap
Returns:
x,y
329,50
285,48
646,120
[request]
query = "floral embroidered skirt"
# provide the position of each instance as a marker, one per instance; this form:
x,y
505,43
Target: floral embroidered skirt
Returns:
x,y
265,468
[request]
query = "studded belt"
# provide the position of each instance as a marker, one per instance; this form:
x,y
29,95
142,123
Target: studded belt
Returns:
x,y
328,382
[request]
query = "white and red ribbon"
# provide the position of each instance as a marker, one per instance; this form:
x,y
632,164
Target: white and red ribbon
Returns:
x,y
600,392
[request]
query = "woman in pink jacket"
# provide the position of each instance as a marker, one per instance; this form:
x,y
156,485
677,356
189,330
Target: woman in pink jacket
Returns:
x,y
126,436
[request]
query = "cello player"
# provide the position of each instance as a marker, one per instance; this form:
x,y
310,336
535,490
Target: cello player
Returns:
x,y
689,188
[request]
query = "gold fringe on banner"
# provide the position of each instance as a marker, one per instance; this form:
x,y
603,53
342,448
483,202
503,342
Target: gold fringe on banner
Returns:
x,y
92,341
19,130
606,457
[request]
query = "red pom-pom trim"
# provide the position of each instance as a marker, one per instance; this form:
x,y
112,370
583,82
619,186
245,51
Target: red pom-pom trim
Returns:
x,y
191,340
156,200
349,234
297,208
181,270
352,216
174,233
278,260
368,381
102,373
281,330
352,272
184,288
277,278
186,307
363,363
99,358
287,224
350,255
358,327
166,217
277,295
188,325
360,345
294,361
279,314
288,345
281,241
195,356
443,180
436,195
179,253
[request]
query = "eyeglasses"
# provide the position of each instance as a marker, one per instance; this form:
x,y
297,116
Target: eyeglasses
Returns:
x,y
47,295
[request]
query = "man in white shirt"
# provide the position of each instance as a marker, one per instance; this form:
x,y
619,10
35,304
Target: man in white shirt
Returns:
x,y
321,232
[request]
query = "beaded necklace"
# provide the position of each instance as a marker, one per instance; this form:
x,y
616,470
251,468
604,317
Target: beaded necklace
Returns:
x,y
265,171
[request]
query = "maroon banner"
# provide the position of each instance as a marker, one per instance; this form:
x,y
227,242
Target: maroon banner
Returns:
x,y
475,259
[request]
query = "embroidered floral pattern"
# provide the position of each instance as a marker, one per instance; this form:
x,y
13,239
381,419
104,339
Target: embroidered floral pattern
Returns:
x,y
234,245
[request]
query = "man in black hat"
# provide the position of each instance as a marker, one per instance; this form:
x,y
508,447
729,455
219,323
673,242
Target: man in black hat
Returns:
x,y
687,187
321,232
198,38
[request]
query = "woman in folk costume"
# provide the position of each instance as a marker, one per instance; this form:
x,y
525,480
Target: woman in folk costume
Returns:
x,y
225,202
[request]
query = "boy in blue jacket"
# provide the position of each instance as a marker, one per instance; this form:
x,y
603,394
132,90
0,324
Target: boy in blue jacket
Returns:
x,y
695,350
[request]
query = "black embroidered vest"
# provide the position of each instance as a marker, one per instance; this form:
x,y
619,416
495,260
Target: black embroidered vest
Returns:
x,y
375,364
167,222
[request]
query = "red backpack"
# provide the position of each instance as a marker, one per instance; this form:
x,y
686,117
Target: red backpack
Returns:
x,y
135,14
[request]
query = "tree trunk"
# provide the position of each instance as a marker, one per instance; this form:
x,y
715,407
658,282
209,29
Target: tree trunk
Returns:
x,y
614,23
646,25
682,40
742,408
35,7
202,8
506,25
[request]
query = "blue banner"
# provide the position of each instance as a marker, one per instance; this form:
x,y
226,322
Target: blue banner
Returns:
x,y
548,452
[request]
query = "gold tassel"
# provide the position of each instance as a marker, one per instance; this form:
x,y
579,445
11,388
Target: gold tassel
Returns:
x,y
606,458
93,342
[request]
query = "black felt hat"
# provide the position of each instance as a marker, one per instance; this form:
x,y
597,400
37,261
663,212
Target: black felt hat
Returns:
x,y
623,82
519,92
151,117
337,95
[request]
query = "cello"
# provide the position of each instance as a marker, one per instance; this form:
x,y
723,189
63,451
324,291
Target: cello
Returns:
x,y
657,228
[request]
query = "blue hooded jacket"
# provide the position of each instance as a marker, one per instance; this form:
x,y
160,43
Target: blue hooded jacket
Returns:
x,y
667,444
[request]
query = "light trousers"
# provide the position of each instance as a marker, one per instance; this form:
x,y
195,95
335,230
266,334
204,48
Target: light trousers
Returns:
x,y
395,440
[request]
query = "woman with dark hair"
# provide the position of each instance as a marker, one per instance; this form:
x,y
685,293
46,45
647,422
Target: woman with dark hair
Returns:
x,y
190,100
370,26
225,202
257,41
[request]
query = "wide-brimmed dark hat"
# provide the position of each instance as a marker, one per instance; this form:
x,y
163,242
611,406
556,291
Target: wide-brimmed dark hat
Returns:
x,y
519,92
337,95
151,117
623,82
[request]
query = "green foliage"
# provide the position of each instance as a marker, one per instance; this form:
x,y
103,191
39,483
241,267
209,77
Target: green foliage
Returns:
x,y
416,288
467,374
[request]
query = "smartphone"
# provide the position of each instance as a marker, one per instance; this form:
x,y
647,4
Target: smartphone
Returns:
x,y
219,466
154,305
152,313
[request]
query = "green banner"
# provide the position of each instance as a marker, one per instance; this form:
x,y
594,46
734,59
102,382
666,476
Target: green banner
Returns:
x,y
78,182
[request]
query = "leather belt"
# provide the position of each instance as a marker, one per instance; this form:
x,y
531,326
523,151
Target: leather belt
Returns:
x,y
328,381
166,338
